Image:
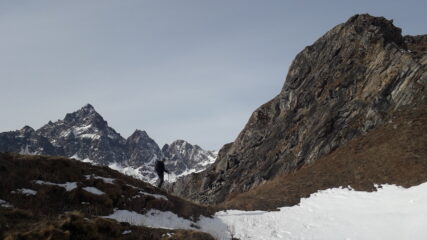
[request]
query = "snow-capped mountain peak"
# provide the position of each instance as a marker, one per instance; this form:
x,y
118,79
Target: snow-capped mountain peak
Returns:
x,y
186,158
85,116
86,136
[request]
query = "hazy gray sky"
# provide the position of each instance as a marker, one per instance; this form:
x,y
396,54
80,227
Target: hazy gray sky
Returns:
x,y
192,70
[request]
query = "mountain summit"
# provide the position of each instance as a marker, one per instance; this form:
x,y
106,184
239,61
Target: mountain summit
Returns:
x,y
84,134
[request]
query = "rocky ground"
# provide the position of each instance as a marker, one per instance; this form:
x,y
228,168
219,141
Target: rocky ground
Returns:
x,y
58,198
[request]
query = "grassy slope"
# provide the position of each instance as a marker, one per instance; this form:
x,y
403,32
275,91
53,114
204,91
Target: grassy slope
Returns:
x,y
395,153
42,215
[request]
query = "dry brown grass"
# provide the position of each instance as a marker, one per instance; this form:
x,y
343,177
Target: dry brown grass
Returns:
x,y
74,226
395,153
36,216
20,171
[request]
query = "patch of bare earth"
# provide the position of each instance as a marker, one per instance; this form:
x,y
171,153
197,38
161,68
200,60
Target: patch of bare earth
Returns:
x,y
394,153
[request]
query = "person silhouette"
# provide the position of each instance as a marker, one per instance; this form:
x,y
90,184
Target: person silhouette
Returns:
x,y
160,170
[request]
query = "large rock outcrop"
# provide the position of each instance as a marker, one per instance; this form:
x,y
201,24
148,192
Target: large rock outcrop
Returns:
x,y
344,85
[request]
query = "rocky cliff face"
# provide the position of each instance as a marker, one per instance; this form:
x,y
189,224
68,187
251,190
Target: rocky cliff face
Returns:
x,y
142,149
86,136
344,85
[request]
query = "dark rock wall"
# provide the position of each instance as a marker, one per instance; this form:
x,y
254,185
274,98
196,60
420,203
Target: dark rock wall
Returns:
x,y
342,86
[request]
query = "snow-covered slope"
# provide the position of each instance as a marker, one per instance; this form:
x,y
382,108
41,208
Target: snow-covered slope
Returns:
x,y
391,212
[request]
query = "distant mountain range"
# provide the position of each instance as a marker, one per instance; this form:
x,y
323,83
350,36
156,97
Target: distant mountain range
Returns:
x,y
86,136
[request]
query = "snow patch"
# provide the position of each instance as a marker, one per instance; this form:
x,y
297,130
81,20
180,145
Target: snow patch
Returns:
x,y
86,160
139,173
167,220
65,133
25,191
208,162
90,135
106,180
168,235
5,204
156,196
93,190
82,132
132,186
26,151
172,177
69,186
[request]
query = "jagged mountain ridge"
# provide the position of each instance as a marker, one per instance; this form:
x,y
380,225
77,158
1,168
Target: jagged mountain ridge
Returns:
x,y
27,141
186,158
347,83
85,135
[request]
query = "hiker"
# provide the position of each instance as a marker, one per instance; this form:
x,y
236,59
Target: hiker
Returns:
x,y
160,170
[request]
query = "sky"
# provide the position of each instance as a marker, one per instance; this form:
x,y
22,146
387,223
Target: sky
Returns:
x,y
192,70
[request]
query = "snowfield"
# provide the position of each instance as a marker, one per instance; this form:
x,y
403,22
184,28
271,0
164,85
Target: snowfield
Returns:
x,y
391,212
169,220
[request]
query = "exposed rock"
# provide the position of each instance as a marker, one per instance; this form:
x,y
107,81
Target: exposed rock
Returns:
x,y
142,149
27,141
393,153
344,85
84,134
184,157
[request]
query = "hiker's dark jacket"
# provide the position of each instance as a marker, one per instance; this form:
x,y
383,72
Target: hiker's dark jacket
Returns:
x,y
160,168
